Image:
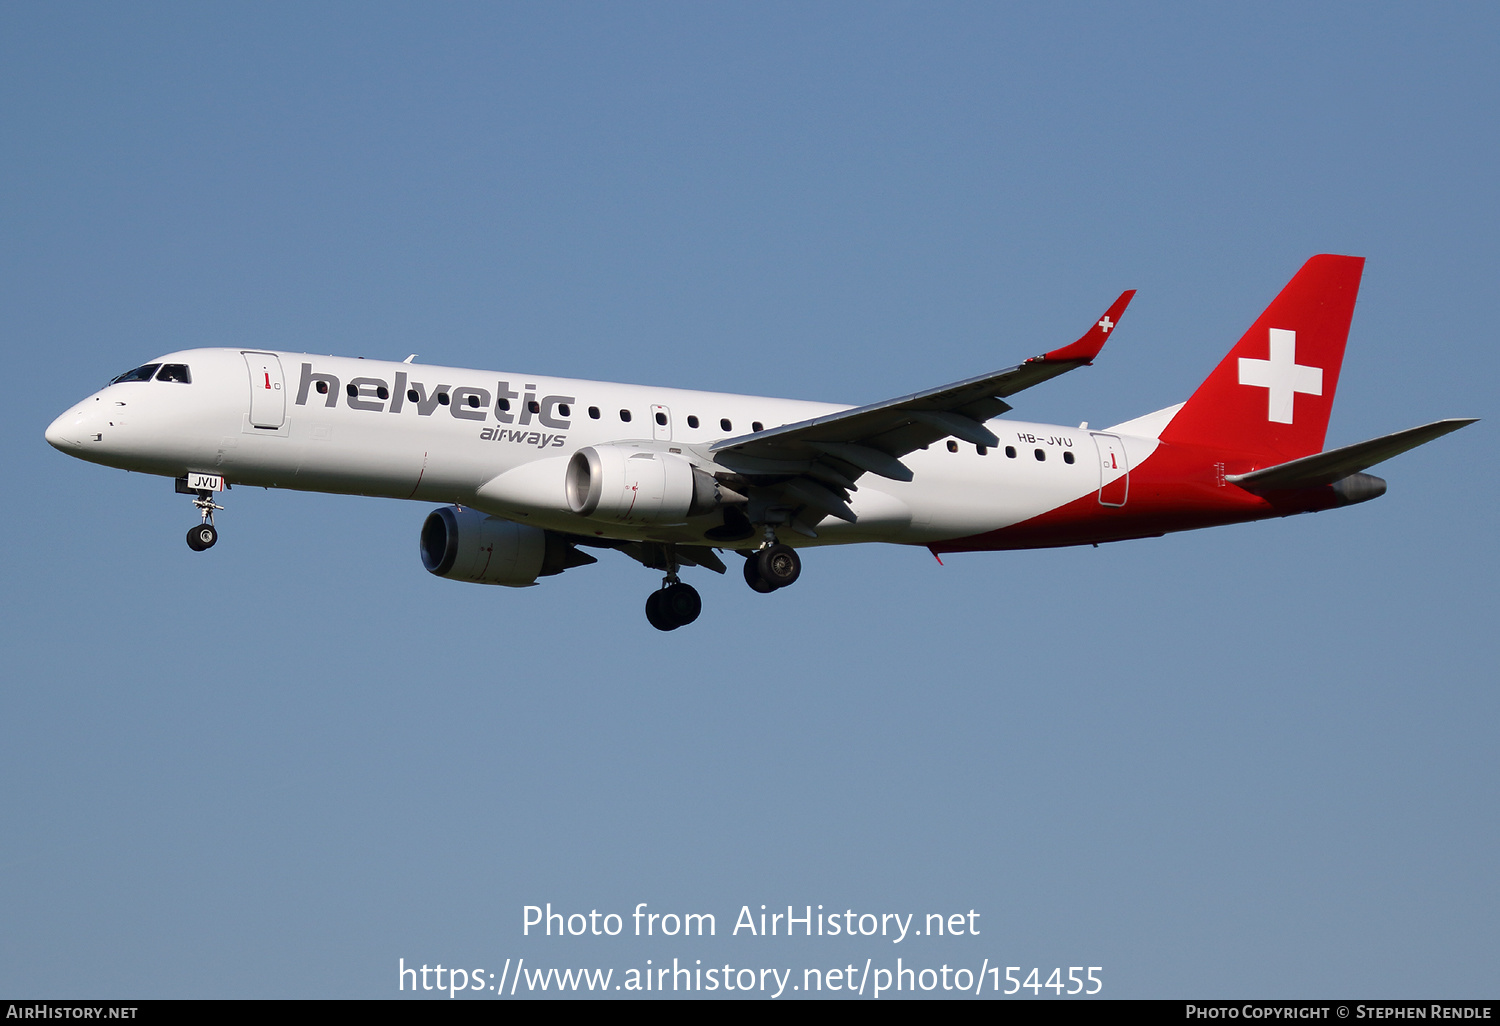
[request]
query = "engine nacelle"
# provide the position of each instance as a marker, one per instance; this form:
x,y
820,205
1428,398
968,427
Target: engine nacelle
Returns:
x,y
627,485
467,545
1358,488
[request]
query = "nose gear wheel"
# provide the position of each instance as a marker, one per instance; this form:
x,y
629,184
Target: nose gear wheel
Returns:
x,y
202,537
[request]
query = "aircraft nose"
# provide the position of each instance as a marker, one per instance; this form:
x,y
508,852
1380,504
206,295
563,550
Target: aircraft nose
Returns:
x,y
66,432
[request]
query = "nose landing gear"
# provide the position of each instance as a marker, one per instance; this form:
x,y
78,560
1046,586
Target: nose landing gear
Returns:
x,y
205,534
202,487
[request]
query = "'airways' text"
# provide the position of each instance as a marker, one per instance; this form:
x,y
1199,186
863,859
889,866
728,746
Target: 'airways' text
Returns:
x,y
536,438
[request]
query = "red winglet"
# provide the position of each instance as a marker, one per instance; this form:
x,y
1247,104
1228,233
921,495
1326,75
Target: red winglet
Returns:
x,y
1088,347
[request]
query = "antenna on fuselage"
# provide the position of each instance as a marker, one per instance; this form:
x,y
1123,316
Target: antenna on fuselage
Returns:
x,y
410,358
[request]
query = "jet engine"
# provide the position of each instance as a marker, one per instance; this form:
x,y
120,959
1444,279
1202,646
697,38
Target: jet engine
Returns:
x,y
627,485
467,545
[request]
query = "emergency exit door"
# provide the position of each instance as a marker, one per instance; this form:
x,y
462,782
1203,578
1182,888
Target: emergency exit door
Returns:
x,y
661,423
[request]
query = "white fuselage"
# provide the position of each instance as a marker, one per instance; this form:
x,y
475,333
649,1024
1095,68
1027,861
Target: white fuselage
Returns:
x,y
439,434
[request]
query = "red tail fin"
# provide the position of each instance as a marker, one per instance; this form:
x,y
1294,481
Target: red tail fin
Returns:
x,y
1271,396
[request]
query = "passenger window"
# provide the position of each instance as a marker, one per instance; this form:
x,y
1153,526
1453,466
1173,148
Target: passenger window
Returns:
x,y
534,406
1067,457
443,399
725,425
952,445
504,404
175,372
625,416
1010,452
661,418
138,374
593,413
352,391
982,449
322,388
756,425
412,395
473,400
1041,456
382,392
692,421
563,410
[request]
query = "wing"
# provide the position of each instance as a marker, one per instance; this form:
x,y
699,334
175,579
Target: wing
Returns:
x,y
813,464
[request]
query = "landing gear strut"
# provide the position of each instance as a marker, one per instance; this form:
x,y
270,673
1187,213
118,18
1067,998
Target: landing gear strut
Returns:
x,y
205,534
675,604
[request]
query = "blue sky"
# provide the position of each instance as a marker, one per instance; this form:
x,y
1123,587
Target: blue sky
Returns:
x,y
1248,761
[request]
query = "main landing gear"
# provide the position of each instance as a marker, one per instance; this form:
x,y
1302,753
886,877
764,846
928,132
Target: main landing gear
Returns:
x,y
772,566
674,604
205,534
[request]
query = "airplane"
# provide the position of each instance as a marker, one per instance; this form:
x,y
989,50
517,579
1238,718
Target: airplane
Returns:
x,y
534,470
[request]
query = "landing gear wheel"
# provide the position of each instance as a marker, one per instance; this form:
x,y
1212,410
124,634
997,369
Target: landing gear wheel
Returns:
x,y
655,615
778,565
753,578
202,537
674,606
681,603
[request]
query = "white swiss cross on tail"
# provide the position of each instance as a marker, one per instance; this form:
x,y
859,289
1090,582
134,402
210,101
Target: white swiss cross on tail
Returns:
x,y
1106,324
1282,375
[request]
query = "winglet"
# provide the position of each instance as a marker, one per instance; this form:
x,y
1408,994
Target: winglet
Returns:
x,y
1086,348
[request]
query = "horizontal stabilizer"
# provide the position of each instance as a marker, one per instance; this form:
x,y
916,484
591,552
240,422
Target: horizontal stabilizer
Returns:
x,y
1335,464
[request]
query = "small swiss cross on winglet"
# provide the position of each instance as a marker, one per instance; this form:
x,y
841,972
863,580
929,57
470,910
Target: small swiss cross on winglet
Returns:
x,y
1086,348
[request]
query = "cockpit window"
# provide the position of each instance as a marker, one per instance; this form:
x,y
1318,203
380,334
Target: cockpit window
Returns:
x,y
139,374
174,372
